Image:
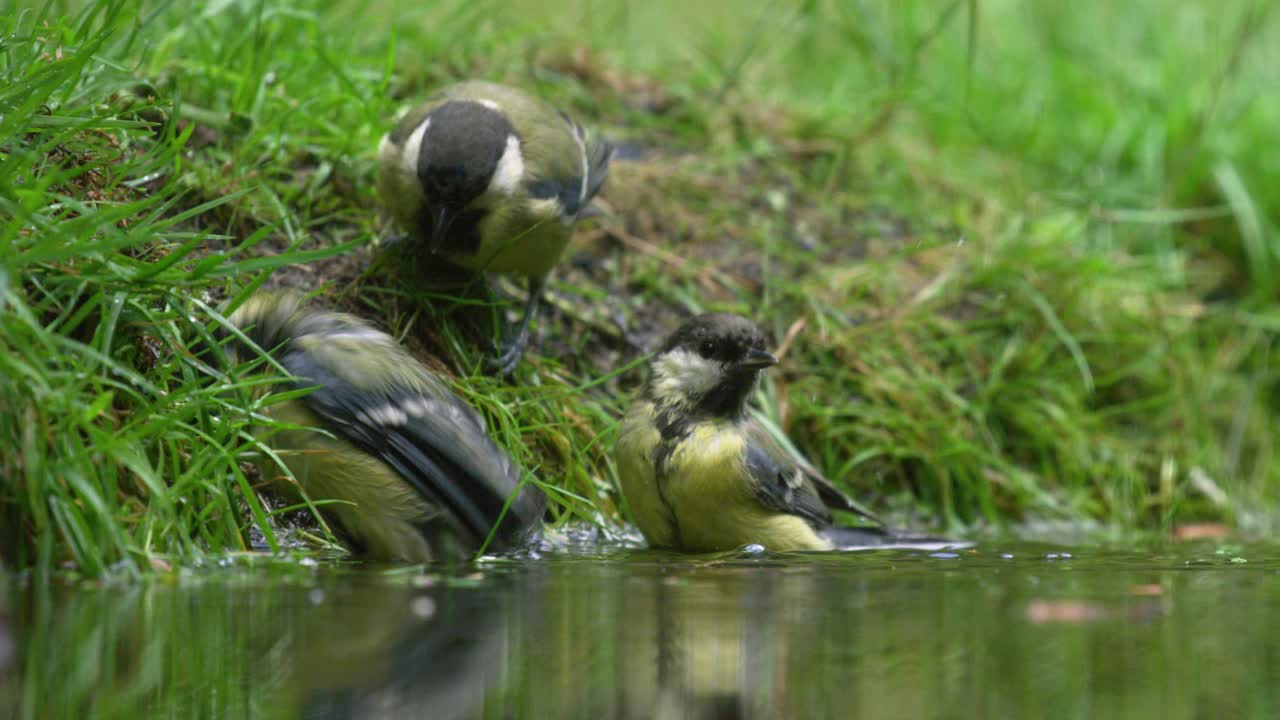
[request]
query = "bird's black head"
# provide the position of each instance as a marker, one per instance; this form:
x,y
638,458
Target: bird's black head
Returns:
x,y
466,150
710,364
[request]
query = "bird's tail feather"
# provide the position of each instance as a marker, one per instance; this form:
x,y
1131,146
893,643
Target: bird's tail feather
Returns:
x,y
857,538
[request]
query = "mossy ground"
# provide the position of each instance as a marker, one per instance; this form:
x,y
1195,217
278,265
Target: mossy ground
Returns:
x,y
1022,259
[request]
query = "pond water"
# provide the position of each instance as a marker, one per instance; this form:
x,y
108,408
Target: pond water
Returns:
x,y
1009,630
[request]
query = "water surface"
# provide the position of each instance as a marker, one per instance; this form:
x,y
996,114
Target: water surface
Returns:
x,y
997,631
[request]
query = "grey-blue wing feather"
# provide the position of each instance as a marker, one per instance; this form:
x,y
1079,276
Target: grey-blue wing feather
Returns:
x,y
784,488
830,495
571,192
599,153
567,192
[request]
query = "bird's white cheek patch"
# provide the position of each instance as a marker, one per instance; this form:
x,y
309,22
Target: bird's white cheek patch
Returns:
x,y
413,146
681,373
510,169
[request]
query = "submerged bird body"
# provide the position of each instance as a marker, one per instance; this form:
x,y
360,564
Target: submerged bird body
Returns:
x,y
490,178
699,473
409,467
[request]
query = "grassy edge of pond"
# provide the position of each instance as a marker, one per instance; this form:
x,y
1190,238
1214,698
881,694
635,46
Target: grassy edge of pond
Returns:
x,y
1019,258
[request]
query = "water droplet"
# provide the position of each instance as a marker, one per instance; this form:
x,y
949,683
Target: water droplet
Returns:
x,y
424,606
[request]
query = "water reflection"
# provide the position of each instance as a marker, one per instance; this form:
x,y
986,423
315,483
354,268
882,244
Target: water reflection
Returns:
x,y
416,653
884,634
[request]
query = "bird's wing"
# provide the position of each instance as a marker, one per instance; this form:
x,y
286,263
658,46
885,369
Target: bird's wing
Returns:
x,y
784,487
830,495
576,165
432,439
599,153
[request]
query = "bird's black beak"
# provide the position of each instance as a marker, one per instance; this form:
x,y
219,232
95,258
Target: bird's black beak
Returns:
x,y
757,360
441,219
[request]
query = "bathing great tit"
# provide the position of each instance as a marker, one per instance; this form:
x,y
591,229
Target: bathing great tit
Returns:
x,y
490,178
699,474
414,473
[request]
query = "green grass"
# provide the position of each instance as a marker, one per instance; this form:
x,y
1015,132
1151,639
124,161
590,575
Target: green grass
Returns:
x,y
1028,252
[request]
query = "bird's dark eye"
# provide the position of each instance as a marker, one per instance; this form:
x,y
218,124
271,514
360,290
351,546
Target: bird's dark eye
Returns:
x,y
707,349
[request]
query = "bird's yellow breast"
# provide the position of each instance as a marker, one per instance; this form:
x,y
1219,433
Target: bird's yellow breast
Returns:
x,y
518,242
634,452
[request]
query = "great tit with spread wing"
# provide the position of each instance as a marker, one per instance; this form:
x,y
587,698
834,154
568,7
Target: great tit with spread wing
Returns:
x,y
491,178
413,472
700,474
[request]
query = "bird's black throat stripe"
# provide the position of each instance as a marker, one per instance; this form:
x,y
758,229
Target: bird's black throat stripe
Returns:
x,y
676,538
674,426
463,236
729,398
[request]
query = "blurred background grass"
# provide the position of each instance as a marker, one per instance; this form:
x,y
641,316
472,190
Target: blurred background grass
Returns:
x,y
1022,257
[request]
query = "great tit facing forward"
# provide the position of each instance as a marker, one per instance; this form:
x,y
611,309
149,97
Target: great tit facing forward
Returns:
x,y
491,179
413,470
699,474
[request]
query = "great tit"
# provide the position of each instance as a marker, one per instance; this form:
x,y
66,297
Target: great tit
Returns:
x,y
700,474
491,178
411,472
